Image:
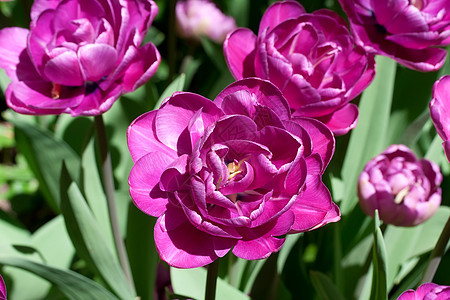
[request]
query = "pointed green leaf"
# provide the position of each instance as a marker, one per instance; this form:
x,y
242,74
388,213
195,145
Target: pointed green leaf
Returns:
x,y
88,239
72,285
175,86
369,137
34,143
325,288
379,277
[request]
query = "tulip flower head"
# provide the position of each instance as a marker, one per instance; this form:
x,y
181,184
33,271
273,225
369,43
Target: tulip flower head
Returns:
x,y
237,173
197,18
427,291
310,57
440,111
409,32
405,190
78,57
2,289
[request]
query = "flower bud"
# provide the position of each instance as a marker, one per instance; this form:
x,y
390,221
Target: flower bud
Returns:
x,y
403,189
197,18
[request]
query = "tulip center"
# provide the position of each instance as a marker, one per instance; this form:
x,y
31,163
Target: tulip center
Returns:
x,y
56,90
401,195
417,3
234,169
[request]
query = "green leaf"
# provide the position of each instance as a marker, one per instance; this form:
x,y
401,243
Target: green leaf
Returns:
x,y
191,283
142,251
379,276
72,285
176,85
34,143
324,287
369,137
88,239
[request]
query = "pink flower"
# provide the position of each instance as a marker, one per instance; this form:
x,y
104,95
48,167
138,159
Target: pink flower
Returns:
x,y
440,111
407,31
78,56
311,58
405,190
427,291
239,172
197,18
2,289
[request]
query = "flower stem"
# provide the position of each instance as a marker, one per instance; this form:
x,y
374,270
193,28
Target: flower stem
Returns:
x,y
436,254
211,280
108,185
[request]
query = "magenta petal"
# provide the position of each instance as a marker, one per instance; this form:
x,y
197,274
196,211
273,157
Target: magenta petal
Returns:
x,y
39,6
267,242
12,42
343,120
64,69
279,12
144,183
2,289
314,207
142,138
440,107
90,55
184,246
238,49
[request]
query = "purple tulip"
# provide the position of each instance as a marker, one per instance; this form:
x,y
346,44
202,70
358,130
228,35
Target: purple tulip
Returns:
x,y
311,58
78,56
405,190
2,289
427,291
239,172
440,111
407,31
197,18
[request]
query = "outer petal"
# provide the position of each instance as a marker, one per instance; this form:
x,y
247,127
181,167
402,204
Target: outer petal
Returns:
x,y
261,241
342,120
13,41
144,183
314,207
239,51
2,289
181,245
279,12
142,138
440,107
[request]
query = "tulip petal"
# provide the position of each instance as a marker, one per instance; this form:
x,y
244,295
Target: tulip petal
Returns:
x,y
342,120
279,12
90,57
239,52
64,69
13,42
181,245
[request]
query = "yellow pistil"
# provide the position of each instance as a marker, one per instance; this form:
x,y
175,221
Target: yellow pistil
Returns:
x,y
234,169
401,195
56,89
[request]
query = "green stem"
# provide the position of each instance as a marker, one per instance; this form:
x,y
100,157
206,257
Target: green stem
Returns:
x,y
108,185
211,280
437,253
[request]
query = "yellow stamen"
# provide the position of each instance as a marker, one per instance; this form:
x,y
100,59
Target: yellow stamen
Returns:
x,y
56,89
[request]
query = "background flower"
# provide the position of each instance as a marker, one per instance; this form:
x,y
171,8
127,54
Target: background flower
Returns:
x,y
78,56
405,190
197,18
427,291
407,31
311,58
238,173
440,111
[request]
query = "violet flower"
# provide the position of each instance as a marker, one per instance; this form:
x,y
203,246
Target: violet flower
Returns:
x,y
405,190
197,18
427,291
239,172
78,56
440,111
2,289
310,57
406,31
